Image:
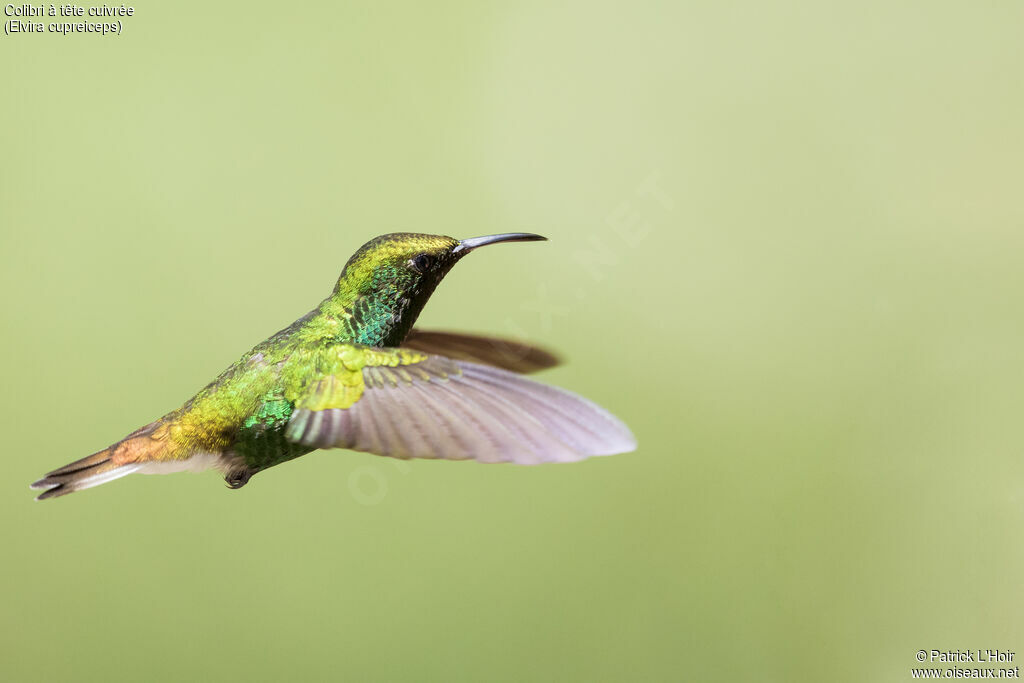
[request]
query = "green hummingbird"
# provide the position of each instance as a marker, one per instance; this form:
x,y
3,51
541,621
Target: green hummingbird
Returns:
x,y
353,373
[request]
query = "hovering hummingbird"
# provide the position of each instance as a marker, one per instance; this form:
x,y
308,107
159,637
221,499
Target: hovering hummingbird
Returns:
x,y
352,373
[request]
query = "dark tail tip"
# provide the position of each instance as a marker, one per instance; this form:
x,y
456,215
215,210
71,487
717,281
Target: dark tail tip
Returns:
x,y
53,489
68,479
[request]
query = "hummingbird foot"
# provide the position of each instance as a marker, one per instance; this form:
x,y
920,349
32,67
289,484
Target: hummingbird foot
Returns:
x,y
238,478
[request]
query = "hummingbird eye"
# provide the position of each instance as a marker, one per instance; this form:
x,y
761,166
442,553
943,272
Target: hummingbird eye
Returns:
x,y
421,263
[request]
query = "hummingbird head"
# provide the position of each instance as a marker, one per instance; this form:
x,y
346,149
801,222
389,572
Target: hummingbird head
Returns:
x,y
385,284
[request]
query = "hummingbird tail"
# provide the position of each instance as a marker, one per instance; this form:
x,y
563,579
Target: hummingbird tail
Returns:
x,y
92,470
124,457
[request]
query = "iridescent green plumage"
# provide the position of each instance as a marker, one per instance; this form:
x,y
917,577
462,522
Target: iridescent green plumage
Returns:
x,y
337,377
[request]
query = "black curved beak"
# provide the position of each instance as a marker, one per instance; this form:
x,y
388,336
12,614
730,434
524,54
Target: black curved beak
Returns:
x,y
466,246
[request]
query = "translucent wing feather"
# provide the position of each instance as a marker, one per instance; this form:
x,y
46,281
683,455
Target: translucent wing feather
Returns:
x,y
501,353
436,407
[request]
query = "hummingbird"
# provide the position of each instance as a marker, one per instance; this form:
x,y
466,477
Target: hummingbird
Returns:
x,y
354,374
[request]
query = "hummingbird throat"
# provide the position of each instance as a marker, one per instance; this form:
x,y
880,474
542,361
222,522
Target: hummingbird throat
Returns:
x,y
382,317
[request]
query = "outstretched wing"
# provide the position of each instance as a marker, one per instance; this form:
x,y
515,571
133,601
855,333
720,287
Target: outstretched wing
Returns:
x,y
406,404
501,353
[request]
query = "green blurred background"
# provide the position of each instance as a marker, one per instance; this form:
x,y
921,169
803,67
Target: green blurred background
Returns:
x,y
786,247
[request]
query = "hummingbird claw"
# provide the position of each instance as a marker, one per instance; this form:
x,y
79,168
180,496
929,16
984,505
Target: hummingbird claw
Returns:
x,y
236,479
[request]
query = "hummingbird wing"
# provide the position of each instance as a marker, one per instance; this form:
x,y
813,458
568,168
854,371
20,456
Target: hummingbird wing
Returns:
x,y
406,404
501,353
